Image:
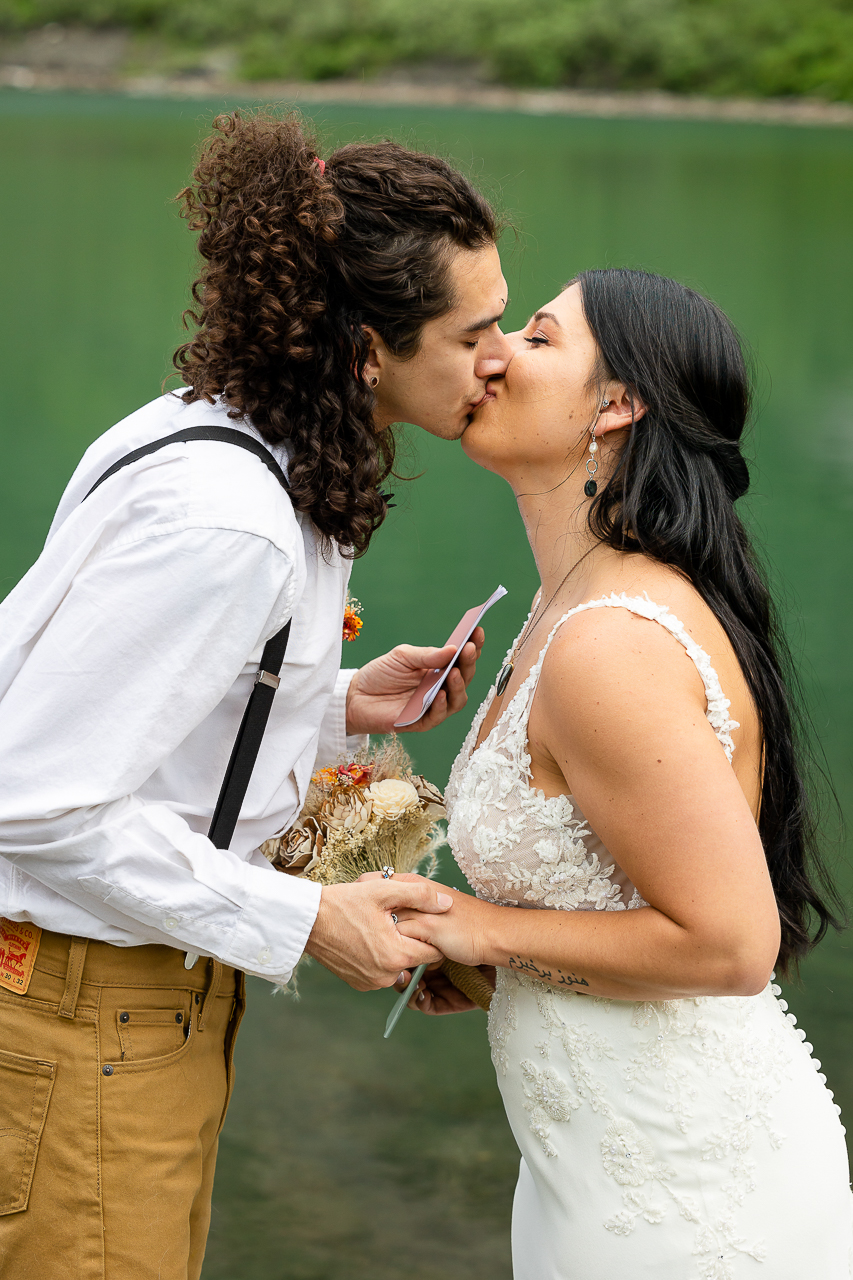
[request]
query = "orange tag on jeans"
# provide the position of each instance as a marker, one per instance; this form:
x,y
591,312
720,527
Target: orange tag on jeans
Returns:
x,y
19,944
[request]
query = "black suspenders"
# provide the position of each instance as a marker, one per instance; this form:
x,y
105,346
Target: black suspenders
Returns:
x,y
247,744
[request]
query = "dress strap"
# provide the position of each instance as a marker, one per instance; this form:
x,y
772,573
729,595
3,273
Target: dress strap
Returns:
x,y
718,704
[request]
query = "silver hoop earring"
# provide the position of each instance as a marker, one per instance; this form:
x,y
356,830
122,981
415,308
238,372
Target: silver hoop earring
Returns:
x,y
591,488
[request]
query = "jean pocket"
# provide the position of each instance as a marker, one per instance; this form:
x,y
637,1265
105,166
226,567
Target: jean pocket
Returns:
x,y
145,1034
25,1088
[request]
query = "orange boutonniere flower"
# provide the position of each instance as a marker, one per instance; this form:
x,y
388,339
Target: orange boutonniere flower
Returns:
x,y
352,622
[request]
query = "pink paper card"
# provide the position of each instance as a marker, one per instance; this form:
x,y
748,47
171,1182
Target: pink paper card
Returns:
x,y
424,696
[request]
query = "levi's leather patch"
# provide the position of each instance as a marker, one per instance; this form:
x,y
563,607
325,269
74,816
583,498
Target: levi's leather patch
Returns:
x,y
19,944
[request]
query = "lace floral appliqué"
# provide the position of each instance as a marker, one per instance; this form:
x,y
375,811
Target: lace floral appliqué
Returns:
x,y
518,846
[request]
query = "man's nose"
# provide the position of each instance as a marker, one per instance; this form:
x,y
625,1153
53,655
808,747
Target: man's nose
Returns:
x,y
493,356
515,341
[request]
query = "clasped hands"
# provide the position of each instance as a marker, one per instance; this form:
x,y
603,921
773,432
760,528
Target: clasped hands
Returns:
x,y
358,938
355,933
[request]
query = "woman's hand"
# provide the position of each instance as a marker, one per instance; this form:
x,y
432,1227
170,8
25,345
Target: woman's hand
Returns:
x,y
436,994
458,934
379,691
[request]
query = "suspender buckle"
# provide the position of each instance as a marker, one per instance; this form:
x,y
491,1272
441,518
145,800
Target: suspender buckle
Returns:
x,y
267,677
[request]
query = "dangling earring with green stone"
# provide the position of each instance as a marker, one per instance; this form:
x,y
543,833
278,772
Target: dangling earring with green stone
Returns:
x,y
591,488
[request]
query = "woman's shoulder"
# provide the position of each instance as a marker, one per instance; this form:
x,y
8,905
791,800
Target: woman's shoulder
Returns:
x,y
645,604
634,630
648,646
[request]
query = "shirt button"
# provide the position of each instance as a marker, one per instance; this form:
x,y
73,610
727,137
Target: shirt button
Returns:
x,y
264,955
171,922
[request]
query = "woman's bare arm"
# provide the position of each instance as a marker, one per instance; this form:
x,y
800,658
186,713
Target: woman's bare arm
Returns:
x,y
620,715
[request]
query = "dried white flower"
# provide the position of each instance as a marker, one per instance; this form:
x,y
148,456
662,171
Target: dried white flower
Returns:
x,y
392,798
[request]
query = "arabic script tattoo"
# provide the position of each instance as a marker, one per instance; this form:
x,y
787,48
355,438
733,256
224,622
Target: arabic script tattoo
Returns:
x,y
547,975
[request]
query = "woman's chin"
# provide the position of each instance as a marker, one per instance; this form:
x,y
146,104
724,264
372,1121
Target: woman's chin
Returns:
x,y
475,441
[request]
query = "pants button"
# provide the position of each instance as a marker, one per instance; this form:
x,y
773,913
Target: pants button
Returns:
x,y
107,1070
124,1017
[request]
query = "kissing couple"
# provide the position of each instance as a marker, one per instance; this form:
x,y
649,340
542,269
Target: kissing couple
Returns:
x,y
629,805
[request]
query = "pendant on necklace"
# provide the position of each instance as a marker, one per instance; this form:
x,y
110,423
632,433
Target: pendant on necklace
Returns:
x,y
503,678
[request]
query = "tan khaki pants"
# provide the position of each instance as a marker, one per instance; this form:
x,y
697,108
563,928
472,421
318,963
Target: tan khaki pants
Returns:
x,y
115,1074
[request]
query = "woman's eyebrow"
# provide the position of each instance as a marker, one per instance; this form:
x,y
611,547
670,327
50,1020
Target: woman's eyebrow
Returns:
x,y
546,315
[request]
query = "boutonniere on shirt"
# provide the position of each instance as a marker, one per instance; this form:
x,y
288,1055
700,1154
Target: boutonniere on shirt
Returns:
x,y
352,621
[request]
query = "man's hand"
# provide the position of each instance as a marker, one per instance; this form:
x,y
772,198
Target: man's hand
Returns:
x,y
380,690
355,936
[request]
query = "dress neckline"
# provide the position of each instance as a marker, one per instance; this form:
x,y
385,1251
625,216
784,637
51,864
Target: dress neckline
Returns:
x,y
717,704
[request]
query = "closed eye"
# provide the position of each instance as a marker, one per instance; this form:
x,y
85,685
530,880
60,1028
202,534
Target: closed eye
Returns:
x,y
536,341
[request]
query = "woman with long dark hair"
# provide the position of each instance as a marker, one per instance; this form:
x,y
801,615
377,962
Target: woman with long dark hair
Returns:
x,y
634,777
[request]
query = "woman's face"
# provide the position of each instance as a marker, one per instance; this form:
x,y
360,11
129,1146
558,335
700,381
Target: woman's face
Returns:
x,y
537,417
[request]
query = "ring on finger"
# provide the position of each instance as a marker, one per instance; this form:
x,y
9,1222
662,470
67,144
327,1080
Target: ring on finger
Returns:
x,y
387,873
393,917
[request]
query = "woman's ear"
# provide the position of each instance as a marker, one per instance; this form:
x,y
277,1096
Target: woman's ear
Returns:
x,y
622,408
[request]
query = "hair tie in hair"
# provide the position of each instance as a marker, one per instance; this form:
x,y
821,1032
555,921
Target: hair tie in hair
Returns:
x,y
321,164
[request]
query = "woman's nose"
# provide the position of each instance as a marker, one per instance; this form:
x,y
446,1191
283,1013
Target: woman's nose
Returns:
x,y
493,356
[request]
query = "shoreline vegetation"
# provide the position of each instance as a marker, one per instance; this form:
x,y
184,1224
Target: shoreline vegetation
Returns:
x,y
762,61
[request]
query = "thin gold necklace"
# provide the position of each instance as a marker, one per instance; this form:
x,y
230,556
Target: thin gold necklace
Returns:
x,y
505,673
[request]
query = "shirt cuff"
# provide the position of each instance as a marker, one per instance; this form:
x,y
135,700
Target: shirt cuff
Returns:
x,y
275,921
334,741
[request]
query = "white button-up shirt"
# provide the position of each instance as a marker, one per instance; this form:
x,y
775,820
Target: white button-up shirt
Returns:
x,y
127,656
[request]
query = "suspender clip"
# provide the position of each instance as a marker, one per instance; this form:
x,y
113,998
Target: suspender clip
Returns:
x,y
267,677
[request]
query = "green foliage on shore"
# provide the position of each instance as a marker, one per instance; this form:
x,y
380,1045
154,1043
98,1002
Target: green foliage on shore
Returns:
x,y
752,47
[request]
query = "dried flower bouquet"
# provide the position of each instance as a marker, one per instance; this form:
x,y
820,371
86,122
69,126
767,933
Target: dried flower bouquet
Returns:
x,y
364,815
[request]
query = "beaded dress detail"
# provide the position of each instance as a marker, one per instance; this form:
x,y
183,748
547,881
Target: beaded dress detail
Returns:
x,y
685,1139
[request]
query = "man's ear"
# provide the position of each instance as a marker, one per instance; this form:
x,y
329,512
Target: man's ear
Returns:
x,y
623,409
377,356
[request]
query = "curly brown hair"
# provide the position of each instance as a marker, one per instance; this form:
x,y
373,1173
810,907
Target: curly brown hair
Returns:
x,y
296,262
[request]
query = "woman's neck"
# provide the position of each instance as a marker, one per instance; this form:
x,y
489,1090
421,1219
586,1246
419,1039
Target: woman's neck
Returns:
x,y
554,512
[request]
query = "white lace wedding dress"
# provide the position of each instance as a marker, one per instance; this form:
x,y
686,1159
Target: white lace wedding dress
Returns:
x,y
675,1140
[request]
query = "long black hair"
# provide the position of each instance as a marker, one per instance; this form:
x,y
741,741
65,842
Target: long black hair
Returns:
x,y
671,497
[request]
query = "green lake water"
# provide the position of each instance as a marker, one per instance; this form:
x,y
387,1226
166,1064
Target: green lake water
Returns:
x,y
346,1157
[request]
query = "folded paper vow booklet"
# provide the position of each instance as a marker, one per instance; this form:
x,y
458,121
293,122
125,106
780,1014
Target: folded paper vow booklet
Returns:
x,y
425,694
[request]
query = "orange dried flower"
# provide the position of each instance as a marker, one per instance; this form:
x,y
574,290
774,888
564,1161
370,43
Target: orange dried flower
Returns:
x,y
357,774
352,622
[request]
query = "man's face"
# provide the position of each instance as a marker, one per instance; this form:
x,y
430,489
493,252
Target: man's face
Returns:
x,y
438,388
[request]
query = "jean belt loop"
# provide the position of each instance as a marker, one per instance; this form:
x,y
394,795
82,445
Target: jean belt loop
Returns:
x,y
212,992
74,976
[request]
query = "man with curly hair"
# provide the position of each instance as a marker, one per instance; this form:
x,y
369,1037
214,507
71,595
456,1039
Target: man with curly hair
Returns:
x,y
335,300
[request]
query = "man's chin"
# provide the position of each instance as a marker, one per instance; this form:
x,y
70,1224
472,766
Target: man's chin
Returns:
x,y
454,431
